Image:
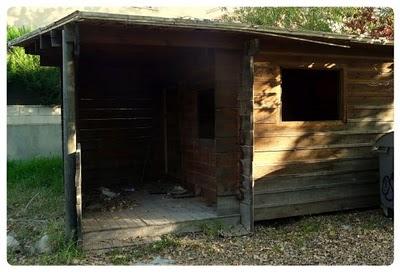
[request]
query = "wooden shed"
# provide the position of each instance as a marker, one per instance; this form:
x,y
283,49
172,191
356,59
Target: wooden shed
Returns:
x,y
248,123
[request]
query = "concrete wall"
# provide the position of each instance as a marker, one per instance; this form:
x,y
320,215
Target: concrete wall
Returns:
x,y
33,131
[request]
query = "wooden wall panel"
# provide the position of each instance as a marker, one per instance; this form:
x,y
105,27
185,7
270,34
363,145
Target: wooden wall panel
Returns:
x,y
227,85
311,167
118,123
199,155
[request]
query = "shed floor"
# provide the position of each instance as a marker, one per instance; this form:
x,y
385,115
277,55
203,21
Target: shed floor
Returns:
x,y
146,215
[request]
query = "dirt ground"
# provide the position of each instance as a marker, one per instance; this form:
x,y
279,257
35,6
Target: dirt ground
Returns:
x,y
346,238
35,208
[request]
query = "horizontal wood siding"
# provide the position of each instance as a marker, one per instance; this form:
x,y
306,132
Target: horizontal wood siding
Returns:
x,y
198,155
119,123
312,167
227,85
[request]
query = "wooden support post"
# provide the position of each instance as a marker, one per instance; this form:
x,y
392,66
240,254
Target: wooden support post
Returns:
x,y
246,98
69,129
55,38
165,131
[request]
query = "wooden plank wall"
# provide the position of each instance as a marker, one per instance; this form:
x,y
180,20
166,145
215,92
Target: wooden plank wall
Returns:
x,y
228,69
118,120
199,158
311,167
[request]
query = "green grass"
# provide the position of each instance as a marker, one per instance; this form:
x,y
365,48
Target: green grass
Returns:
x,y
35,206
36,173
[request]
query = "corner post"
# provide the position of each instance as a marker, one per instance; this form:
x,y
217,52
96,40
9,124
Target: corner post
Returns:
x,y
246,98
69,128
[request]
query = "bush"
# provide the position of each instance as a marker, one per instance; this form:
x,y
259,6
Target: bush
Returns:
x,y
24,72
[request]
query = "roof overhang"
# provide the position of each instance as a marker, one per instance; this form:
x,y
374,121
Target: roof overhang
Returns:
x,y
330,39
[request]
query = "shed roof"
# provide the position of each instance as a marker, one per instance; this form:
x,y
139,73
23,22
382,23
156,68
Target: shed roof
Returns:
x,y
180,23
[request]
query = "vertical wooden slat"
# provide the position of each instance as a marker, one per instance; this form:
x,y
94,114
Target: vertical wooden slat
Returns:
x,y
78,186
69,129
246,98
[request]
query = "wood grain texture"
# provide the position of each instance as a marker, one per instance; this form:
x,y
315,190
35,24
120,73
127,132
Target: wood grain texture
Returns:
x,y
318,166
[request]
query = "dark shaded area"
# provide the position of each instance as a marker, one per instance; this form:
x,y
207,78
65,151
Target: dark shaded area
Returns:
x,y
206,116
310,95
19,95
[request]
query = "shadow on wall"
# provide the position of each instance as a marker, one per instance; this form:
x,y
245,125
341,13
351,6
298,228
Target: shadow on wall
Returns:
x,y
316,166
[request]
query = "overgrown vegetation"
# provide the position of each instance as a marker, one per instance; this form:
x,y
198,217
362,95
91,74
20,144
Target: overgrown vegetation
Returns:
x,y
35,208
367,21
25,73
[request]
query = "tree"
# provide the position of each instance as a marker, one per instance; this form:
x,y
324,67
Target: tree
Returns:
x,y
375,22
24,72
311,18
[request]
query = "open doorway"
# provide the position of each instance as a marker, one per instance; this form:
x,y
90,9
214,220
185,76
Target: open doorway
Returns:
x,y
148,167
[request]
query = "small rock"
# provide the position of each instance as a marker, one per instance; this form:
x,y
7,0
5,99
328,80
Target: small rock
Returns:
x,y
43,245
129,189
95,206
161,261
346,227
107,192
12,243
332,233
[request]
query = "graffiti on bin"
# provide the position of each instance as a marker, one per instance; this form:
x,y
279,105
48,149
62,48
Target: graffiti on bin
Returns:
x,y
387,187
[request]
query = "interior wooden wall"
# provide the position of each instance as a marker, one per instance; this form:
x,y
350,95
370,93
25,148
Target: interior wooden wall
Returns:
x,y
198,155
311,167
120,115
118,120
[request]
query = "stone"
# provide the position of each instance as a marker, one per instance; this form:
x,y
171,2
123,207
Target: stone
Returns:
x,y
161,261
158,261
12,243
346,227
43,245
108,193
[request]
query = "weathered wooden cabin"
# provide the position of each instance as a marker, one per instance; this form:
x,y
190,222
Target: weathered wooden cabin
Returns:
x,y
256,123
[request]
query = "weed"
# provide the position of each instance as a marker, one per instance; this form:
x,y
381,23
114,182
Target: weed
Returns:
x,y
119,257
167,241
309,226
212,229
35,208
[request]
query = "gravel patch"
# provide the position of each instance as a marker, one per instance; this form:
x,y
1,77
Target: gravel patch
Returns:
x,y
346,238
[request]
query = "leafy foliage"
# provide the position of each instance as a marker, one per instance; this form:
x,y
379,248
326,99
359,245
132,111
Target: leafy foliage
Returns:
x,y
24,71
313,18
374,22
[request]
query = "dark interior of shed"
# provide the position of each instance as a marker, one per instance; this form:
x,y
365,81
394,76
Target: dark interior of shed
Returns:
x,y
139,123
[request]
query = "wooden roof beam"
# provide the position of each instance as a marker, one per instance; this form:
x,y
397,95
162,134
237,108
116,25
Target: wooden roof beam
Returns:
x,y
90,34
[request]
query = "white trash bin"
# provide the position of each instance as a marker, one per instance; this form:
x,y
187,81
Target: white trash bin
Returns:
x,y
385,147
